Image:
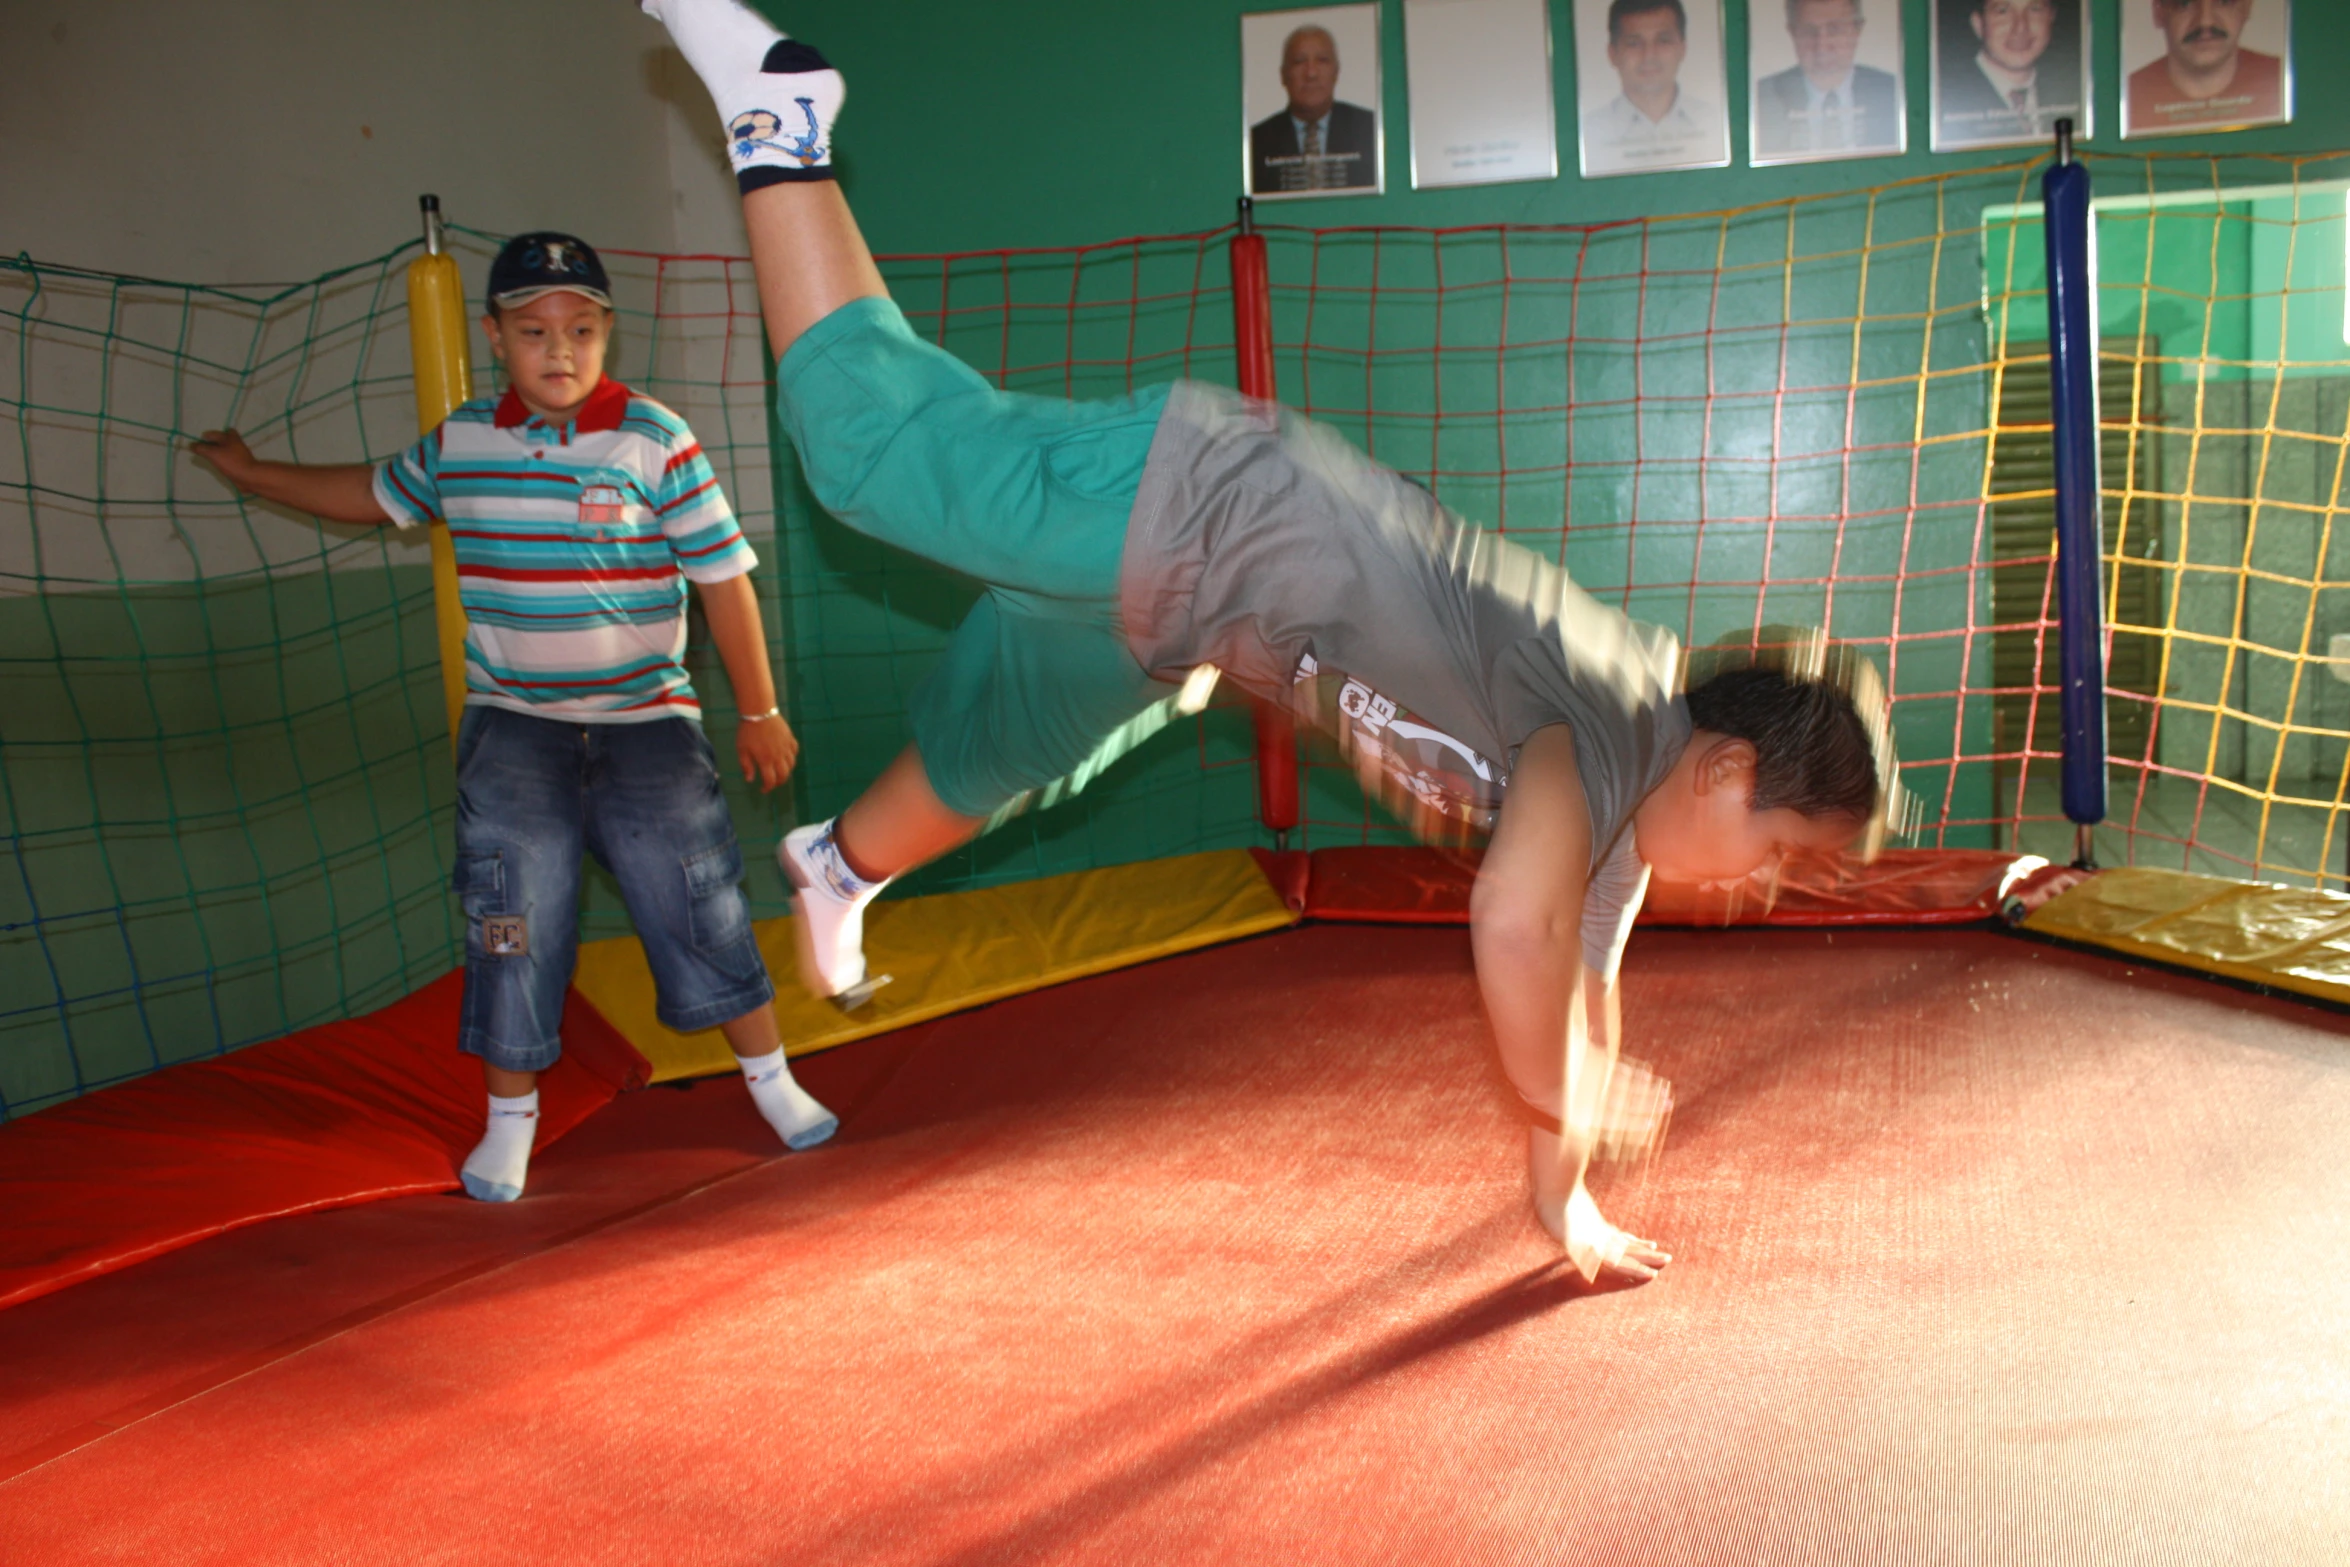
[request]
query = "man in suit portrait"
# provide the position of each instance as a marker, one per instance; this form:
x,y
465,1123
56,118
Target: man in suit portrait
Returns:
x,y
1826,103
1652,123
2206,76
2010,89
1317,142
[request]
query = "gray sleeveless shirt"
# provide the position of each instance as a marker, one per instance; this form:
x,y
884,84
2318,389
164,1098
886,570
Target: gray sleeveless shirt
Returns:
x,y
1267,545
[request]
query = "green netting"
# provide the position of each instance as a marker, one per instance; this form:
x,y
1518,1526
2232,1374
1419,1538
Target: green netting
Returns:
x,y
220,766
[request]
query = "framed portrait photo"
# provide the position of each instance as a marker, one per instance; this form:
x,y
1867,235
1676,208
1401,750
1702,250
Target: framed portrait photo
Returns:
x,y
1824,81
1479,76
1650,86
2005,71
2205,65
1309,98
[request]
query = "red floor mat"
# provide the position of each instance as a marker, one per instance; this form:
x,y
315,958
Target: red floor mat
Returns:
x,y
1985,1252
343,1113
1395,885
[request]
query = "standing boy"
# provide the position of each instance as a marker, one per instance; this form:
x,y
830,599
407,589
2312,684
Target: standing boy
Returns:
x,y
1124,545
579,510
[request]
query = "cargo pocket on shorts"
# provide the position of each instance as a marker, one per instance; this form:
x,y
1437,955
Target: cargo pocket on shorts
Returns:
x,y
717,913
490,931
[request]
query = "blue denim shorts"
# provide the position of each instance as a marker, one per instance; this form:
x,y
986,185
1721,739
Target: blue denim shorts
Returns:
x,y
532,795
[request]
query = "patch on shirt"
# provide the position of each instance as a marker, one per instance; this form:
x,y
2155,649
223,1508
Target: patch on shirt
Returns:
x,y
1436,783
603,509
601,503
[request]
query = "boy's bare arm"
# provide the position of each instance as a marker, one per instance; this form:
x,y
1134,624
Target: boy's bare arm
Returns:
x,y
1525,926
1603,1014
1526,914
338,492
765,747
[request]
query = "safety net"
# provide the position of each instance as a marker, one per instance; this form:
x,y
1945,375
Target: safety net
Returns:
x,y
1828,410
222,768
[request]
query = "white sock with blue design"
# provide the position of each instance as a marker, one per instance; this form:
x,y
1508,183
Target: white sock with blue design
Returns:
x,y
499,1163
778,96
797,1118
824,855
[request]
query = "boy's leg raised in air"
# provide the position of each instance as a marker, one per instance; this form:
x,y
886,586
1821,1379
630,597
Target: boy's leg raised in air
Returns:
x,y
908,445
778,98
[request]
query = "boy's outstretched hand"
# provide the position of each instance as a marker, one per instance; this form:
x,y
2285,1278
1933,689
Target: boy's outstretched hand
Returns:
x,y
339,492
768,751
229,455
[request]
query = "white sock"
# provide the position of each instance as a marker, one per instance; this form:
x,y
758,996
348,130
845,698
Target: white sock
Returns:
x,y
824,854
778,96
798,1119
495,1170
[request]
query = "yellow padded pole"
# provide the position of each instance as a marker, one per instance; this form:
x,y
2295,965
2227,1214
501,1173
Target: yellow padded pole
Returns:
x,y
444,378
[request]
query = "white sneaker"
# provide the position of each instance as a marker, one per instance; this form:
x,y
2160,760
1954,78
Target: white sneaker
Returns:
x,y
828,921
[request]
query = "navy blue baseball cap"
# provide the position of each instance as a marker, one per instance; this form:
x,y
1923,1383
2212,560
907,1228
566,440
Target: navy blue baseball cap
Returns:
x,y
547,263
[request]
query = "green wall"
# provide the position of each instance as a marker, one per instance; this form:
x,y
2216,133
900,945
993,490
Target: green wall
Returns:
x,y
2251,286
1050,122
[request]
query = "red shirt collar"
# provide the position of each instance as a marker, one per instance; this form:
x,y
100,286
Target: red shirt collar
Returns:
x,y
603,410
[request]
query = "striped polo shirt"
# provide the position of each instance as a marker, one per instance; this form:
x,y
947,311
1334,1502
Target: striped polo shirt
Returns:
x,y
574,545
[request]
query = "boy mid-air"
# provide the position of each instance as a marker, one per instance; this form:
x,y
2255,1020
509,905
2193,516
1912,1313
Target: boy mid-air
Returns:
x,y
579,511
1124,545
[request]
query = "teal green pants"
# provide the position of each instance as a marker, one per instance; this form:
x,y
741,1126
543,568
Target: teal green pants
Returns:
x,y
907,444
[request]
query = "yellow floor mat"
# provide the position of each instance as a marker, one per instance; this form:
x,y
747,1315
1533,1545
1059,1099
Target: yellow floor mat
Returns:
x,y
962,949
2294,938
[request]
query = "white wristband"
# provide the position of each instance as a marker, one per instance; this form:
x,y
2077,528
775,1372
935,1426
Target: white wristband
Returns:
x,y
760,718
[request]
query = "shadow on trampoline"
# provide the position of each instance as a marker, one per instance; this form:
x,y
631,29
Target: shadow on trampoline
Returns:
x,y
1219,1435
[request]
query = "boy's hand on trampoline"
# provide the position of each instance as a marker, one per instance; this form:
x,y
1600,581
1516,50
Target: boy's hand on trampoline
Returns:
x,y
768,751
229,455
1597,1247
1622,1256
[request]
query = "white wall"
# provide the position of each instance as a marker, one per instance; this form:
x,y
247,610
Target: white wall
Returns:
x,y
269,141
273,139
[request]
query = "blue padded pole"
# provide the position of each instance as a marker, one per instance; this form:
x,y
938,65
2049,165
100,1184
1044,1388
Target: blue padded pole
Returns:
x,y
2080,574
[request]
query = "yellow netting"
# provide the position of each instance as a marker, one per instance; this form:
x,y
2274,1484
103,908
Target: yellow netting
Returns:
x,y
2226,403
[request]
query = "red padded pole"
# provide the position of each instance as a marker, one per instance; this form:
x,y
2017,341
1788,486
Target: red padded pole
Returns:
x,y
1252,310
1252,339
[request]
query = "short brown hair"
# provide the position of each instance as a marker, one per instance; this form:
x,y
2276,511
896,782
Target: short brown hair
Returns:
x,y
1816,714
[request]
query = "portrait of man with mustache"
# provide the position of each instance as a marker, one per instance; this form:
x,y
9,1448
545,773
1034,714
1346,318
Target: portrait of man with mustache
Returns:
x,y
2205,78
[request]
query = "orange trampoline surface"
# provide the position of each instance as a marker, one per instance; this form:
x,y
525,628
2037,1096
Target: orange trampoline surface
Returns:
x,y
1985,1251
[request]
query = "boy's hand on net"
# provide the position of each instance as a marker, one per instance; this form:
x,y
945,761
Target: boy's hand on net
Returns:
x,y
230,457
768,751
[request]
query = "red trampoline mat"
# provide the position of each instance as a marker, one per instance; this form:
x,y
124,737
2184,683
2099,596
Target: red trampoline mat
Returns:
x,y
1396,885
345,1112
1225,1258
